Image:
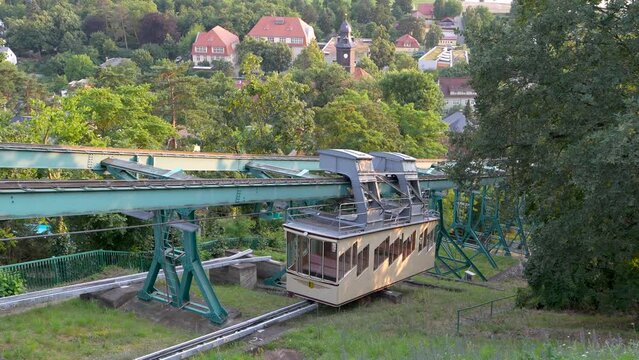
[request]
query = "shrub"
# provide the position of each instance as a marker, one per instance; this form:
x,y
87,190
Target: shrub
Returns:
x,y
11,284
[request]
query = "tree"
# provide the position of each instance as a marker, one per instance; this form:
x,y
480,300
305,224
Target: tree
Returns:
x,y
412,87
434,35
402,7
404,61
382,50
325,82
362,11
439,9
554,105
275,56
413,26
453,8
368,65
269,116
458,70
142,58
105,45
382,14
177,92
422,131
185,43
354,121
155,27
475,20
125,73
310,57
34,34
79,67
122,116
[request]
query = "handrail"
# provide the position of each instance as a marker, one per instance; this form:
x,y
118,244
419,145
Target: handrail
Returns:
x,y
491,303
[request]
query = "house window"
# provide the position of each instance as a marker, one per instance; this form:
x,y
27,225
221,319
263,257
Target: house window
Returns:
x,y
271,39
200,49
288,40
362,260
296,40
218,50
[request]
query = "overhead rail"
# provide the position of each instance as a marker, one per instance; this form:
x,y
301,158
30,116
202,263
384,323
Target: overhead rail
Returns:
x,y
81,197
25,156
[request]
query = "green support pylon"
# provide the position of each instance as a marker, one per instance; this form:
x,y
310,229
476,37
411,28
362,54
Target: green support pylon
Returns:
x,y
489,225
462,229
167,256
520,240
449,254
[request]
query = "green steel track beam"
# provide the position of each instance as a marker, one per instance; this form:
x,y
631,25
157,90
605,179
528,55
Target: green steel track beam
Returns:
x,y
59,198
27,199
26,156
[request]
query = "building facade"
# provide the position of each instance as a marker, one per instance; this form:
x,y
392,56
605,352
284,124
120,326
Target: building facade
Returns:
x,y
292,31
217,44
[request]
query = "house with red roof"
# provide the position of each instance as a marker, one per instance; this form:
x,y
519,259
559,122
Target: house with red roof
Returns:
x,y
457,91
424,11
292,31
217,44
407,44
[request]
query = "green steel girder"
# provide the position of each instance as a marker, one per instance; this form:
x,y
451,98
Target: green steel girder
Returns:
x,y
462,230
19,203
167,257
21,156
450,257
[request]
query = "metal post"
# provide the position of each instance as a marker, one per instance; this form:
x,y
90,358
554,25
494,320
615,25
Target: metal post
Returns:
x,y
458,321
491,308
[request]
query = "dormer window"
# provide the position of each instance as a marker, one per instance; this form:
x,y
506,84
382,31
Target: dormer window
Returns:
x,y
200,49
279,21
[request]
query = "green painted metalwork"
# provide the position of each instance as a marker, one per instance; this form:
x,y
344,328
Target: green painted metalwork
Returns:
x,y
276,279
519,242
450,257
51,272
17,203
462,229
489,224
19,156
167,256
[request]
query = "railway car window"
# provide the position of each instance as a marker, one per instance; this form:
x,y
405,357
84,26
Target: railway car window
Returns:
x,y
413,237
362,260
291,251
303,260
395,250
345,262
330,261
430,241
316,257
340,275
421,241
380,254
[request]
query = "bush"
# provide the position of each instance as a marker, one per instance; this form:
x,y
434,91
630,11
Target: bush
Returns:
x,y
527,299
11,284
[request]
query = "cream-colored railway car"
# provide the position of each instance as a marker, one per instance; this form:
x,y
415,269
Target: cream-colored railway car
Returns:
x,y
334,268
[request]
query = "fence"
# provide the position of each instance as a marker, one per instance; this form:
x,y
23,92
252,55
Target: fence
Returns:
x,y
484,310
47,273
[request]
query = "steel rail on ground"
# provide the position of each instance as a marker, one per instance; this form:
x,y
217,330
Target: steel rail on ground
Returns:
x,y
209,341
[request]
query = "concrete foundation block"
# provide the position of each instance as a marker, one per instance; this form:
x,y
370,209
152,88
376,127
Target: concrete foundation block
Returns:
x,y
244,275
113,298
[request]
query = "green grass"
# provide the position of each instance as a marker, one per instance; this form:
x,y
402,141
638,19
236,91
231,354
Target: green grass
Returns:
x,y
417,2
275,254
80,329
423,327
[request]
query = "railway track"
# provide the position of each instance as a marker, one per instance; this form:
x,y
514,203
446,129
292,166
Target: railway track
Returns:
x,y
212,340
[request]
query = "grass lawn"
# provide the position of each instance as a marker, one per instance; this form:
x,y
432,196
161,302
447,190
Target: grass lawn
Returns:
x,y
79,329
275,254
417,2
423,327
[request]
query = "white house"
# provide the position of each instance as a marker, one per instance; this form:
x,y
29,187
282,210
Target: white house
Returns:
x,y
8,55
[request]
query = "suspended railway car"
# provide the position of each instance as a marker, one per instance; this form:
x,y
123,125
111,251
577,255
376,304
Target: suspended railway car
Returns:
x,y
336,254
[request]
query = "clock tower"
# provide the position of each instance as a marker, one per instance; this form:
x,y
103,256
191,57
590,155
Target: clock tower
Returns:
x,y
345,48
